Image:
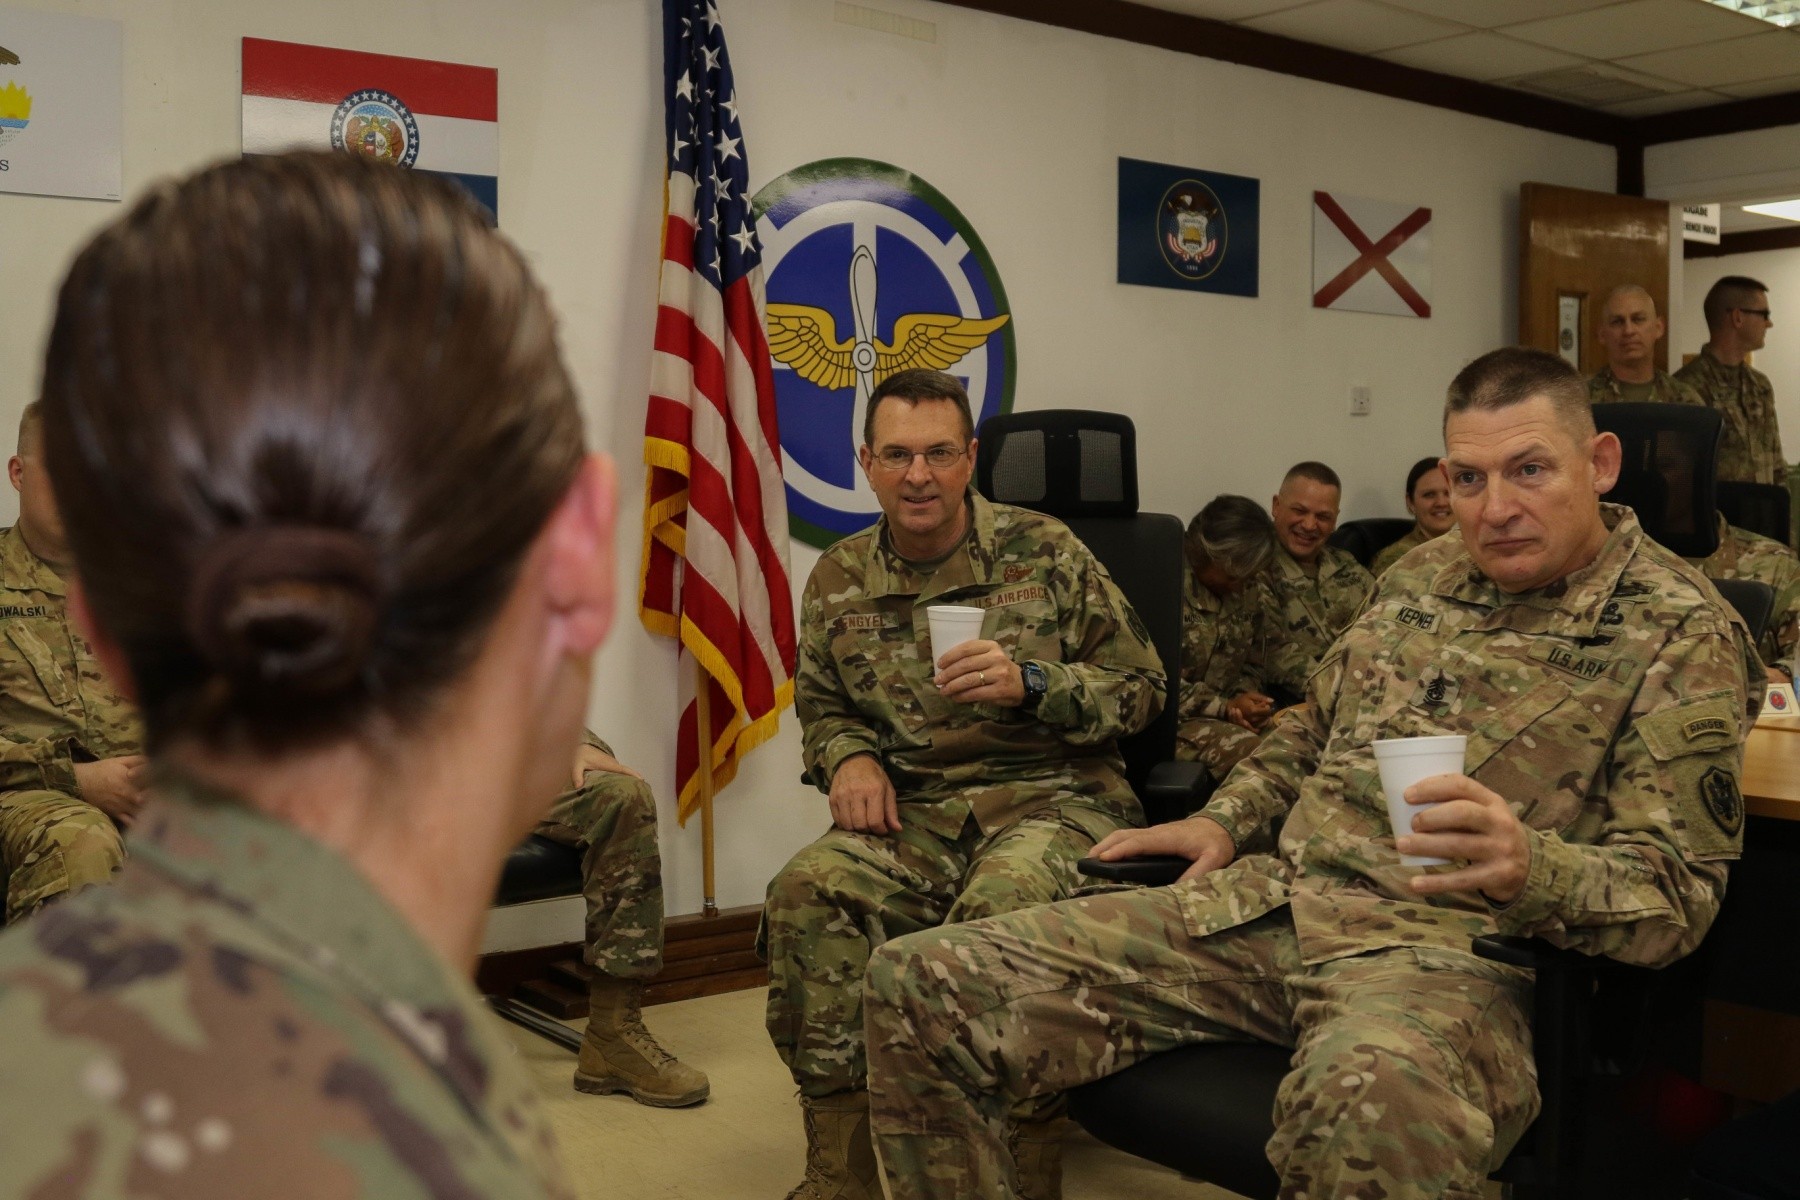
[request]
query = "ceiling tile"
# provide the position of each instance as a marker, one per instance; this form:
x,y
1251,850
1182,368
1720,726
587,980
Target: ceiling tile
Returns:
x,y
1636,27
1481,56
1485,13
1738,60
1665,104
1359,25
1762,87
1226,10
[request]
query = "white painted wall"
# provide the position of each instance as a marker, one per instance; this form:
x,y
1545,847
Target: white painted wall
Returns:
x,y
1779,359
1020,126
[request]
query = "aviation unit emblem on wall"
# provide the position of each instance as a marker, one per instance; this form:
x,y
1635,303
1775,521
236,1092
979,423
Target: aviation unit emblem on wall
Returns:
x,y
870,270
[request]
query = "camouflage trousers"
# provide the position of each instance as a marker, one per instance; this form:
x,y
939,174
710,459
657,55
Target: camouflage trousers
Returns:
x,y
1216,745
611,819
1412,1069
847,893
51,843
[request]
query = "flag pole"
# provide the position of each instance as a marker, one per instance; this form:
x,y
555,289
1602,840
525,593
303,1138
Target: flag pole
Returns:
x,y
703,732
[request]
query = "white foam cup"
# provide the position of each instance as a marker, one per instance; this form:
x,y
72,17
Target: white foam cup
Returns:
x,y
1402,762
951,626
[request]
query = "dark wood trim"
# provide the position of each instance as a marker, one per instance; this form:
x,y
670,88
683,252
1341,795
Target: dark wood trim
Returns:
x,y
702,956
1253,48
1744,242
1630,171
1733,116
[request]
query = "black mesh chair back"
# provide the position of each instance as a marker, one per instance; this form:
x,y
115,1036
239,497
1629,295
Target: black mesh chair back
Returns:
x,y
1368,537
1667,472
1081,467
1759,507
1754,601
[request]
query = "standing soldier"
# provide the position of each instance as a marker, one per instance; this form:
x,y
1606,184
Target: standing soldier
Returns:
x,y
1223,708
71,760
610,816
963,781
1629,330
1314,590
1598,807
1737,318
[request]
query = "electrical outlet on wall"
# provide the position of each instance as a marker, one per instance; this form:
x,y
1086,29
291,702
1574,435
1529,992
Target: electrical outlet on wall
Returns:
x,y
1361,400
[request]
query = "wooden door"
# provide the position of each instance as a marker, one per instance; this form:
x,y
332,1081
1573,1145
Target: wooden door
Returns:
x,y
1574,248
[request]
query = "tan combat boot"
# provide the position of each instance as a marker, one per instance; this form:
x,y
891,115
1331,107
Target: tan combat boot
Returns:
x,y
1037,1157
619,1055
840,1154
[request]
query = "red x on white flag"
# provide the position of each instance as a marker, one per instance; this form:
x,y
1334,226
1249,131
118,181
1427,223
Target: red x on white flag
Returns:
x,y
1371,255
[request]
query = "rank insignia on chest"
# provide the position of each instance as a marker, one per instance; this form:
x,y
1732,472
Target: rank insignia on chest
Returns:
x,y
1719,788
1437,690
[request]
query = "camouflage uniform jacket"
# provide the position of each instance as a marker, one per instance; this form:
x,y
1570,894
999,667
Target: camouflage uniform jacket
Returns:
x,y
864,679
1609,709
1745,555
1605,388
56,708
241,1014
1218,640
1395,551
1750,445
1305,614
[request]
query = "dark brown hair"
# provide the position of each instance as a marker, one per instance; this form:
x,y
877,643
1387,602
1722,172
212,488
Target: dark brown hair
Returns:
x,y
1318,472
304,413
916,384
1515,374
1419,470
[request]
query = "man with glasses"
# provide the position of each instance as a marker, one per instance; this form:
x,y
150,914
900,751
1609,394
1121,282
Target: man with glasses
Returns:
x,y
964,781
1737,316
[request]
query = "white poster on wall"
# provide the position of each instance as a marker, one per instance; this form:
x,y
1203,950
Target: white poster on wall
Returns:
x,y
61,104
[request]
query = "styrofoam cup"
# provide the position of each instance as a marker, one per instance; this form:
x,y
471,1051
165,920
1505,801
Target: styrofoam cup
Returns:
x,y
1402,762
951,626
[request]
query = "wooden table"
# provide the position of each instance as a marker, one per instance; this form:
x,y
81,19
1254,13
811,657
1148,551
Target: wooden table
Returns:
x,y
1771,780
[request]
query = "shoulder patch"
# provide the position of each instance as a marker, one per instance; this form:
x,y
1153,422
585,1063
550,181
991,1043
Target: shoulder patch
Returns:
x,y
1719,788
1699,726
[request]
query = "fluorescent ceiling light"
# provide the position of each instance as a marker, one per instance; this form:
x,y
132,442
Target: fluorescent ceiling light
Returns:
x,y
1776,12
1787,210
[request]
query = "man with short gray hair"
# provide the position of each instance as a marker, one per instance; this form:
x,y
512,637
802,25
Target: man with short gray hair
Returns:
x,y
1738,321
1603,689
1629,330
1223,708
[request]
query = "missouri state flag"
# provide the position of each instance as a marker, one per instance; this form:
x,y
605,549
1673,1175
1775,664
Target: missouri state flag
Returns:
x,y
439,117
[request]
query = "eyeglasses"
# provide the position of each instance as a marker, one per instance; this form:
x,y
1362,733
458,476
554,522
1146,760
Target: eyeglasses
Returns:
x,y
938,458
1756,312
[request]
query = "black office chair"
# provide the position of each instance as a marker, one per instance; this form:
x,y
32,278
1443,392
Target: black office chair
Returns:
x,y
1754,601
1667,471
1764,508
1081,467
1366,538
538,869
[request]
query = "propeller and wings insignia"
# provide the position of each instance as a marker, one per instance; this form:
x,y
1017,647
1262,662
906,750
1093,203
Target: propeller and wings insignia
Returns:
x,y
805,338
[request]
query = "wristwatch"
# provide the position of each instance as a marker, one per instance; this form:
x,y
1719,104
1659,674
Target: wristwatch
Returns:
x,y
1036,683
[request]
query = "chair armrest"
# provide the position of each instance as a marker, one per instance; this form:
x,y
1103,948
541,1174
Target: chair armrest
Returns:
x,y
1151,870
1176,788
1534,954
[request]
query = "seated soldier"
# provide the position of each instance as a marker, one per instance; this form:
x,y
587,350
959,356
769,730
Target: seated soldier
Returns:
x,y
1314,590
72,768
1745,555
610,816
1604,692
964,780
1223,709
1428,500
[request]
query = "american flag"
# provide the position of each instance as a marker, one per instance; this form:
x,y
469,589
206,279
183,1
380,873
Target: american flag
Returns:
x,y
715,570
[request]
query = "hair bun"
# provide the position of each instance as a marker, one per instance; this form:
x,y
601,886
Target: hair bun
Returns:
x,y
285,609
